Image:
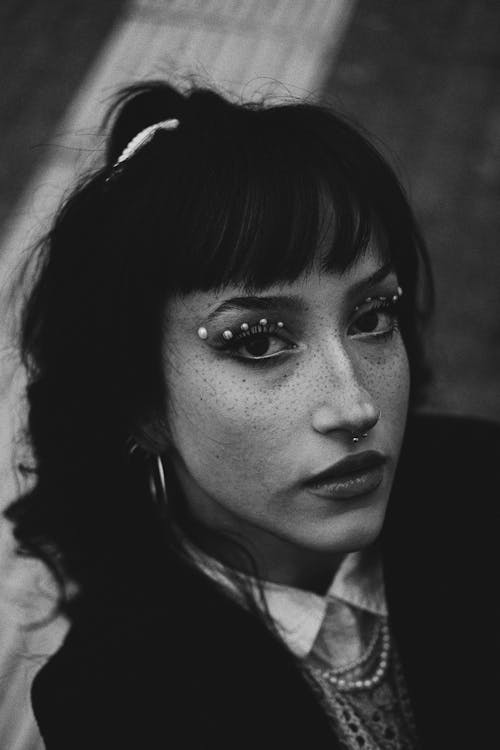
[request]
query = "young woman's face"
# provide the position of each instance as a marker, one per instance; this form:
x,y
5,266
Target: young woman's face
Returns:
x,y
256,417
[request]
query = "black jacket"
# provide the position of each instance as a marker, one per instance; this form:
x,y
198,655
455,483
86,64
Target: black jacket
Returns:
x,y
195,671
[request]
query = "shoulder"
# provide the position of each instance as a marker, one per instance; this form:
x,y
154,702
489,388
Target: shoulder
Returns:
x,y
445,493
439,536
455,459
197,672
440,571
124,676
105,689
443,439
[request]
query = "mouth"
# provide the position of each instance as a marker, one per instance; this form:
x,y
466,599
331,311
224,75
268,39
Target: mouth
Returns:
x,y
351,477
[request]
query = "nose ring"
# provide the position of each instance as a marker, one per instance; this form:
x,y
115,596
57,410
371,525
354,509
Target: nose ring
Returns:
x,y
357,438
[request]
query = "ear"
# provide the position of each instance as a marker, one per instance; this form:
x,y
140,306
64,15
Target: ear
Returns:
x,y
153,437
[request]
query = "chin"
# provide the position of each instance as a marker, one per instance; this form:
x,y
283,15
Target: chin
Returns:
x,y
348,532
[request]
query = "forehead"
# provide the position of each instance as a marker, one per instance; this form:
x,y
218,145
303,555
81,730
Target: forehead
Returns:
x,y
313,288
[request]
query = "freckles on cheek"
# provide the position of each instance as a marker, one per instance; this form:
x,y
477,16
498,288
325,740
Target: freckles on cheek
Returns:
x,y
207,405
389,377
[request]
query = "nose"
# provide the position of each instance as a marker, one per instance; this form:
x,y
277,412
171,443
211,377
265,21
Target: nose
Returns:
x,y
344,405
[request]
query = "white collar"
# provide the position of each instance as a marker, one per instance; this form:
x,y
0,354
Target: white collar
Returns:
x,y
299,614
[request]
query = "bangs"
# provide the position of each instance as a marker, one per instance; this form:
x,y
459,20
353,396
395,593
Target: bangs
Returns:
x,y
277,221
259,196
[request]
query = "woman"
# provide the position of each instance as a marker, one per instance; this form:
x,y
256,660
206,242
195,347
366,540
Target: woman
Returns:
x,y
255,545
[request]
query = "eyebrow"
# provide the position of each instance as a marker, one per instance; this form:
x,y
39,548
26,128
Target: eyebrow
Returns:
x,y
377,276
293,303
285,302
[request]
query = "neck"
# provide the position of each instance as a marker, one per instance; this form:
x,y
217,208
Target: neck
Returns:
x,y
274,561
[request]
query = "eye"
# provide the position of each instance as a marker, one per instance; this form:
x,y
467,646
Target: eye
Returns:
x,y
260,342
260,345
377,319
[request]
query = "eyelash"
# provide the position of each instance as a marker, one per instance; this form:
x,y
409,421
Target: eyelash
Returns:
x,y
253,330
388,304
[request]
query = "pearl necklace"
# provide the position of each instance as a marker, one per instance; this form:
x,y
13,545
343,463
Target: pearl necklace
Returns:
x,y
333,676
364,657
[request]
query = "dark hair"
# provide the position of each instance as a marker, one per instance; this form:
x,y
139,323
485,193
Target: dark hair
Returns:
x,y
236,193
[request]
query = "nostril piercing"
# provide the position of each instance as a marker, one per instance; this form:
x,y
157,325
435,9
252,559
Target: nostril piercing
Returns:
x,y
357,438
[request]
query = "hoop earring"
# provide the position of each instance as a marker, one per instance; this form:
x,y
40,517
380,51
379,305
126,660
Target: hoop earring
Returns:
x,y
157,481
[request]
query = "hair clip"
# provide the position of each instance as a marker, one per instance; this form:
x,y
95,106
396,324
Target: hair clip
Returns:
x,y
143,137
227,334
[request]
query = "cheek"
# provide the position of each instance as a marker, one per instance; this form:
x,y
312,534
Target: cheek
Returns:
x,y
220,421
387,378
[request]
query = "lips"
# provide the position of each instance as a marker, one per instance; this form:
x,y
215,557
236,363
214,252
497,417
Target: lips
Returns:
x,y
350,477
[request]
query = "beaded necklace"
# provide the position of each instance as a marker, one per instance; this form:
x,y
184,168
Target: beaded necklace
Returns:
x,y
334,675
